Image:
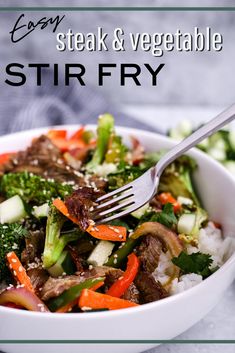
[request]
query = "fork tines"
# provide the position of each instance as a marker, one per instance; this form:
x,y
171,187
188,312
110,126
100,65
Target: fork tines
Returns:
x,y
114,201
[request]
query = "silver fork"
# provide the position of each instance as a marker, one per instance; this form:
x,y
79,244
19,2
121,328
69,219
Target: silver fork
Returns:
x,y
134,195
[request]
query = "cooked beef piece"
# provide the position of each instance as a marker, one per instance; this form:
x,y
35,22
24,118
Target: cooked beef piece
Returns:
x,y
34,246
98,183
149,252
150,289
98,271
131,293
85,246
80,204
78,260
45,159
112,276
56,286
156,204
38,277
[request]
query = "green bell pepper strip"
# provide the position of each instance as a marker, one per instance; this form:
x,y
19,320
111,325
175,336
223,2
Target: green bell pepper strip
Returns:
x,y
121,254
72,293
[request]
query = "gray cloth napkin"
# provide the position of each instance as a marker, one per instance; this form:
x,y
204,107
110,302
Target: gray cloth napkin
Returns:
x,y
29,106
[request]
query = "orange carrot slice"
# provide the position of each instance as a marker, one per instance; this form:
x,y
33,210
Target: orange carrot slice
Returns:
x,y
95,300
61,207
18,271
106,232
101,231
67,308
5,157
53,134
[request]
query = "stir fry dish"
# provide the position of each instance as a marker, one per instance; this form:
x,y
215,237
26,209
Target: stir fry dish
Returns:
x,y
53,255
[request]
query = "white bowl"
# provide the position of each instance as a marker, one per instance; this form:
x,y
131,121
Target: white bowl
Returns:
x,y
159,320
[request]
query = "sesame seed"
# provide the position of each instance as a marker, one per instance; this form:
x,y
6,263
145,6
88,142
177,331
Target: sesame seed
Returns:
x,y
116,231
85,308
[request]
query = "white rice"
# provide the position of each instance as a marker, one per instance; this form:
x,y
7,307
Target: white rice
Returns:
x,y
163,271
185,282
210,241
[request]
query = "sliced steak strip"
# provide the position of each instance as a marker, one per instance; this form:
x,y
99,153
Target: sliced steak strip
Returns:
x,y
45,159
56,286
149,252
150,289
38,277
77,259
34,246
81,203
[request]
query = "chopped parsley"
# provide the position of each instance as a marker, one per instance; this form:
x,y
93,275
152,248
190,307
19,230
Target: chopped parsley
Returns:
x,y
195,263
165,217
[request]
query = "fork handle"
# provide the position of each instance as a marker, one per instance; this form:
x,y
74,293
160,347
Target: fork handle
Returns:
x,y
206,130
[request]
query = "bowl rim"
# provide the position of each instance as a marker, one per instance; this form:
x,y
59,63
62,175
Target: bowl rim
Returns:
x,y
144,307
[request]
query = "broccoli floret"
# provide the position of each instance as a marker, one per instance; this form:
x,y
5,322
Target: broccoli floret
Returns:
x,y
176,179
123,176
55,241
104,131
11,238
32,188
